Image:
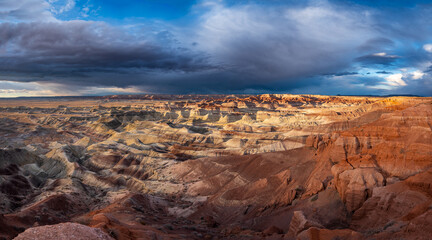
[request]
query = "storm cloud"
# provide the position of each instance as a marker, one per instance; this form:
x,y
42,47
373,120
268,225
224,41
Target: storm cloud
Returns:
x,y
226,48
79,49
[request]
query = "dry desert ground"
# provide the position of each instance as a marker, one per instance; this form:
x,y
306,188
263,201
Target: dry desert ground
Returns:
x,y
216,167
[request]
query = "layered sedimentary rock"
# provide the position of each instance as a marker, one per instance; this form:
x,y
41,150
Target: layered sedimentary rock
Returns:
x,y
217,167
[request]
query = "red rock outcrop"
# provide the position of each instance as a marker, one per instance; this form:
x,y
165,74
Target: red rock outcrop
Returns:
x,y
392,209
326,234
395,146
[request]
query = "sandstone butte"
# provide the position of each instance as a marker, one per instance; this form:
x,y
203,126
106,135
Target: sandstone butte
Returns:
x,y
216,167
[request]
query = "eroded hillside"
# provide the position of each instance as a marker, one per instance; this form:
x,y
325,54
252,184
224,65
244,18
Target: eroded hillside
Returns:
x,y
218,167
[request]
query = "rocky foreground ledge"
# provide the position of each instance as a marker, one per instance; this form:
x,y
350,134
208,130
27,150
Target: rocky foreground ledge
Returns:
x,y
216,167
63,231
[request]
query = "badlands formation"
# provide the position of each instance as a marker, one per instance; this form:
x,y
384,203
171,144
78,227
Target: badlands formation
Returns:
x,y
216,167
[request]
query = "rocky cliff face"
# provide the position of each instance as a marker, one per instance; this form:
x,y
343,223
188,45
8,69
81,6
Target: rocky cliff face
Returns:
x,y
217,167
389,149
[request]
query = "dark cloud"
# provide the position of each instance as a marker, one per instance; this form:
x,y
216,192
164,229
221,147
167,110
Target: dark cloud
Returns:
x,y
377,58
377,44
243,47
383,72
225,52
366,81
341,74
268,44
82,50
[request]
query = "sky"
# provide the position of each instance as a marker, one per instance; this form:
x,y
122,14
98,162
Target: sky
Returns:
x,y
102,47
